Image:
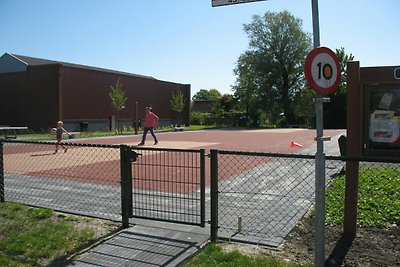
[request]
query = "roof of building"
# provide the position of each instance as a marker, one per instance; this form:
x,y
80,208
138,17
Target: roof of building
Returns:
x,y
33,61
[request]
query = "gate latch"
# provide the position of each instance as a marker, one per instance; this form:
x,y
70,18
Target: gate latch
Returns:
x,y
135,155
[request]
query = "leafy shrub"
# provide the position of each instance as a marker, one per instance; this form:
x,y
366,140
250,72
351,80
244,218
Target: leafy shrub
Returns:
x,y
198,118
378,198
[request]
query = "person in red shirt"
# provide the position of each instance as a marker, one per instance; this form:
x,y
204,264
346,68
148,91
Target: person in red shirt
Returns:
x,y
150,123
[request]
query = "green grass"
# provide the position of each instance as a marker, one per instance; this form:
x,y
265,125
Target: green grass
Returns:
x,y
378,198
36,236
125,131
213,255
52,137
200,127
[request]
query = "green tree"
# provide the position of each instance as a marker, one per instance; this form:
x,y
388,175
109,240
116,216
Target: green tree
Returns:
x,y
118,99
226,102
178,103
203,94
335,110
304,106
245,88
270,73
217,110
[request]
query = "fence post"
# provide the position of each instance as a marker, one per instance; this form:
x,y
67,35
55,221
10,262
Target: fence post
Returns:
x,y
202,187
1,173
214,194
126,184
351,198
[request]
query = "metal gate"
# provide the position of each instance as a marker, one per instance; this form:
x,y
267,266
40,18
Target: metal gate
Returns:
x,y
163,184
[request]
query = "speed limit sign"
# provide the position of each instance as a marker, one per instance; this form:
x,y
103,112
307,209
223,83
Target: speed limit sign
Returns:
x,y
322,70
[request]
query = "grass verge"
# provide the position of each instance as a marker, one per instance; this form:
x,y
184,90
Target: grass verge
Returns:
x,y
378,198
51,137
38,236
213,255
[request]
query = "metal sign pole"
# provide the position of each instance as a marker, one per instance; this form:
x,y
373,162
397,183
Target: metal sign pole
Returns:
x,y
319,257
323,83
319,187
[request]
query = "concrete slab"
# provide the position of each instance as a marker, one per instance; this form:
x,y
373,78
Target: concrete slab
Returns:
x,y
154,244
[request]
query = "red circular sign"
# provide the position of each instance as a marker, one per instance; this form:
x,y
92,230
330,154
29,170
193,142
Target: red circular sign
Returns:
x,y
322,70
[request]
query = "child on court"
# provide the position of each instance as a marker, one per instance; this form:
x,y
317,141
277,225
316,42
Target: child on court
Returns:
x,y
59,135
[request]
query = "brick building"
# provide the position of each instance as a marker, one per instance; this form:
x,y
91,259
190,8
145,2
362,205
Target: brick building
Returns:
x,y
36,92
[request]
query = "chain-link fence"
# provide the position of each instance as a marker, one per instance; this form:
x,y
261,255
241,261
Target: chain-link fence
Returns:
x,y
85,179
106,181
261,197
254,197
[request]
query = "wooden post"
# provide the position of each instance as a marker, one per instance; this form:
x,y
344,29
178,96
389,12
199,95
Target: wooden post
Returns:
x,y
353,146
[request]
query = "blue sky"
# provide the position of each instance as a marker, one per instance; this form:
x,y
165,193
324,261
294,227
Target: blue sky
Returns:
x,y
185,41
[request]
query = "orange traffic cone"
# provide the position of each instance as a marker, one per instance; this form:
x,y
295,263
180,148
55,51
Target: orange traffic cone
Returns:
x,y
294,144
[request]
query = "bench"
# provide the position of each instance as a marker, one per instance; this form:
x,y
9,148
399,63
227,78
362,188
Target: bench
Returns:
x,y
10,132
179,129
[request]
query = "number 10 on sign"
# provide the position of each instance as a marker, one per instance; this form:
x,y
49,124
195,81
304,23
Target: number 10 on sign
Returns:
x,y
322,70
